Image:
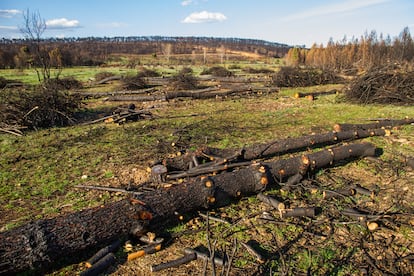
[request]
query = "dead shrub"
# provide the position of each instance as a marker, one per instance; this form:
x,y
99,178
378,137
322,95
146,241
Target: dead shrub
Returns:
x,y
383,85
217,71
40,107
133,82
148,73
183,80
67,83
298,77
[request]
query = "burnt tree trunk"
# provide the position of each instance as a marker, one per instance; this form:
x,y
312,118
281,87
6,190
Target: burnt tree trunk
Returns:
x,y
379,124
39,244
277,147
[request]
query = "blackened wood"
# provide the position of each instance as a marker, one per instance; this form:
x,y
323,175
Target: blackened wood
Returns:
x,y
316,94
136,98
250,247
100,265
174,263
39,244
380,124
103,252
277,147
339,193
299,212
150,249
205,256
271,201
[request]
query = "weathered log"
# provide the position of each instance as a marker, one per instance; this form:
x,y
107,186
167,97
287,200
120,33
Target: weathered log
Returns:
x,y
39,244
277,147
315,94
136,98
86,94
379,124
111,78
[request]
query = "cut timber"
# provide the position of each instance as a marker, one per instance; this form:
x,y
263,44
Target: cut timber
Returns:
x,y
315,94
40,244
85,94
136,98
379,124
277,147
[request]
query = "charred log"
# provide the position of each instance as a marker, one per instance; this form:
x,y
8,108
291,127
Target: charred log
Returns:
x,y
315,94
278,147
39,244
386,123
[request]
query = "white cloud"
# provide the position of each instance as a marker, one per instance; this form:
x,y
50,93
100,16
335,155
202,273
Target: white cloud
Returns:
x,y
186,2
204,16
345,6
9,13
62,23
9,28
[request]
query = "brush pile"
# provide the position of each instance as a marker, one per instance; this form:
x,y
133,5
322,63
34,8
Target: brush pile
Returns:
x,y
298,77
40,107
385,85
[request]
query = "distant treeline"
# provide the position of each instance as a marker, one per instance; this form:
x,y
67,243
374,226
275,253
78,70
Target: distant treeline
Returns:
x,y
18,53
369,51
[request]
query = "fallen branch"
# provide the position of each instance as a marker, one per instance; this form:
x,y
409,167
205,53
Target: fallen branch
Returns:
x,y
315,94
379,124
40,244
111,78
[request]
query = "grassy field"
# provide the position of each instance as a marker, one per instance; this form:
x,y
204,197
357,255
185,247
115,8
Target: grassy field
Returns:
x,y
39,171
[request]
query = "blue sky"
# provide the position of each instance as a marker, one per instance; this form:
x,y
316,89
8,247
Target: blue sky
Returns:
x,y
293,22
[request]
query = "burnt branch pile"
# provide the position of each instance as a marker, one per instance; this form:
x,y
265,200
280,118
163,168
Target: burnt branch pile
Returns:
x,y
40,107
385,85
297,77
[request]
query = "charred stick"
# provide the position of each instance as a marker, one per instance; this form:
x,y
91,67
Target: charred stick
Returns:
x,y
100,265
109,189
145,251
299,212
103,252
205,256
174,263
259,257
363,191
271,201
213,218
198,171
338,193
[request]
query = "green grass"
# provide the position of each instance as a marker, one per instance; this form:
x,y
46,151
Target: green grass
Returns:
x,y
46,164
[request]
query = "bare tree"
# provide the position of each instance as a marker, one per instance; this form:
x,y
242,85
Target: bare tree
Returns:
x,y
166,50
33,28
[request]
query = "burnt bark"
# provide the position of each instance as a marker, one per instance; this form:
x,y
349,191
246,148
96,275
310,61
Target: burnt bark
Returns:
x,y
274,148
39,244
386,123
